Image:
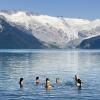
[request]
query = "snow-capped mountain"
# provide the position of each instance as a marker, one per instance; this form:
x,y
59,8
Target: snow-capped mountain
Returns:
x,y
57,32
13,38
90,43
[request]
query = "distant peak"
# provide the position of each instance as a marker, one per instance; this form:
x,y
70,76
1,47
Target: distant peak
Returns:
x,y
9,12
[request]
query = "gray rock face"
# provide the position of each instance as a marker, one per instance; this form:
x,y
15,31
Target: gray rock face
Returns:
x,y
21,29
91,43
13,38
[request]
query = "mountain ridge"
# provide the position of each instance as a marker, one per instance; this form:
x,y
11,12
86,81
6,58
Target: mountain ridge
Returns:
x,y
13,38
57,32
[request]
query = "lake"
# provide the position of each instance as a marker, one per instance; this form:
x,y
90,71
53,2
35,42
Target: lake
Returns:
x,y
52,64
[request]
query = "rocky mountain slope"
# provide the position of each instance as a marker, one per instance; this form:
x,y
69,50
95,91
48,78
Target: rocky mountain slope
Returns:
x,y
48,31
13,38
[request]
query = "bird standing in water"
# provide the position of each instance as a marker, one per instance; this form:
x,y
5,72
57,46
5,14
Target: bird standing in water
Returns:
x,y
58,81
37,80
21,82
48,85
78,81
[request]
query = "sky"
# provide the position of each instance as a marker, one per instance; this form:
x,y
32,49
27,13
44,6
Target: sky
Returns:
x,y
85,9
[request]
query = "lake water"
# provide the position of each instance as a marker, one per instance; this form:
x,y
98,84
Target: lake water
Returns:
x,y
49,64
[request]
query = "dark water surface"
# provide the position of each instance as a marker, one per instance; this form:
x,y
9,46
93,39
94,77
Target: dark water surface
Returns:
x,y
52,64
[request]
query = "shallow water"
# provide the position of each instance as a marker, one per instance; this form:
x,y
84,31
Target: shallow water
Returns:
x,y
52,64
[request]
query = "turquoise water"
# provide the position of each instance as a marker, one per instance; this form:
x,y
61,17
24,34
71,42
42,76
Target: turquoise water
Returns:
x,y
52,64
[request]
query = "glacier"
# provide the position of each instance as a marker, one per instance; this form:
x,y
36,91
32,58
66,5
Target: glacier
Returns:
x,y
57,31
